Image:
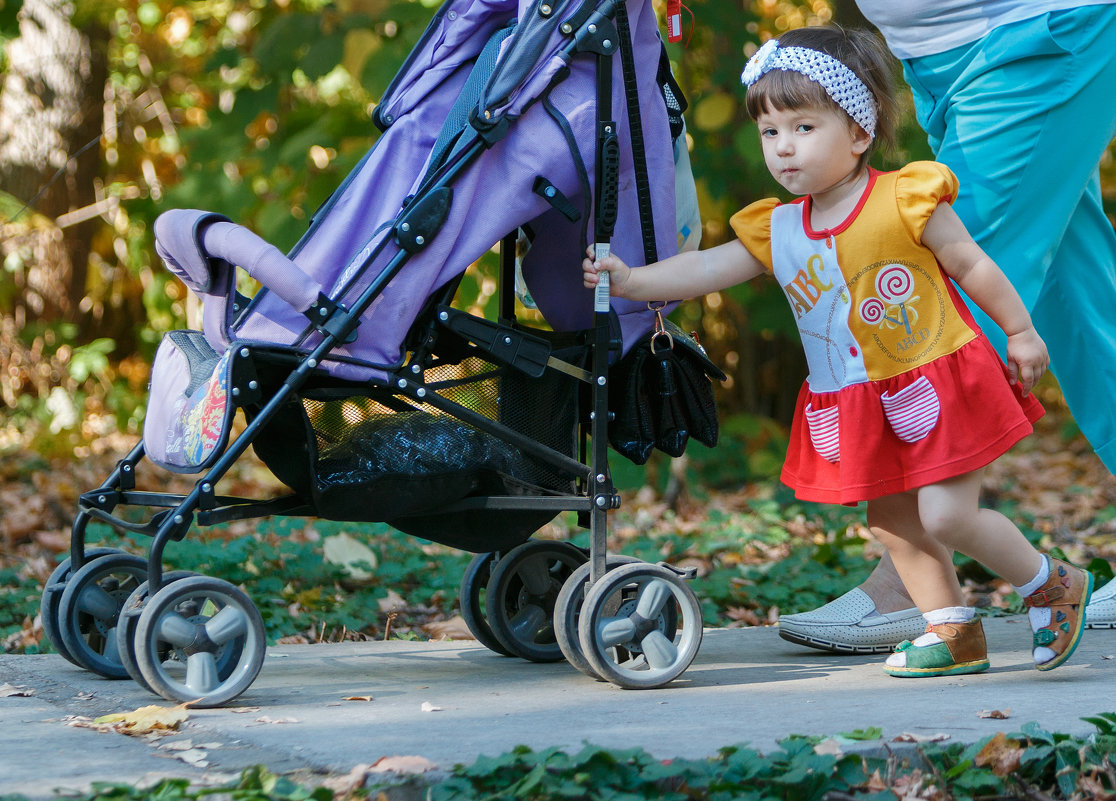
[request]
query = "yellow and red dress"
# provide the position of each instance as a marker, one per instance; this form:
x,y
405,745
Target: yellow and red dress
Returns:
x,y
903,388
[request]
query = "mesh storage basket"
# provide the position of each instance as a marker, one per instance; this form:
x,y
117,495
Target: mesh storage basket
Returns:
x,y
375,457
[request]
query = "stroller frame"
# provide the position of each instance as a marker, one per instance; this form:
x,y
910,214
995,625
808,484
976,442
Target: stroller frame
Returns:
x,y
632,623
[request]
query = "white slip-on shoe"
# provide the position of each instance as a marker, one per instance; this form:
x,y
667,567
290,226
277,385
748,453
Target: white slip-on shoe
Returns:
x,y
1100,613
851,625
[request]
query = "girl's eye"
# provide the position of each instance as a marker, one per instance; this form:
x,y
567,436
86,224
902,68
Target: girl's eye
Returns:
x,y
767,132
805,127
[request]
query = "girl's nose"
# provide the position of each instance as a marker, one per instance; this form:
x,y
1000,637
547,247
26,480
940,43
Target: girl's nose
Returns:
x,y
784,145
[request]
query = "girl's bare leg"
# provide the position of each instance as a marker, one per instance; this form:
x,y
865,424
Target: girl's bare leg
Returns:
x,y
953,643
950,513
923,563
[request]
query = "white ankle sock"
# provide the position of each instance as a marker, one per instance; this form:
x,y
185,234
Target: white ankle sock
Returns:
x,y
1039,616
1039,579
935,617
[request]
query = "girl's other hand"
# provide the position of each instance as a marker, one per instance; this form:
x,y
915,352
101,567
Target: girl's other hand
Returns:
x,y
1027,358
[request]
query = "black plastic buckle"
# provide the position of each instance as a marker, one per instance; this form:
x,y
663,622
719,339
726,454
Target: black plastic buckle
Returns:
x,y
332,318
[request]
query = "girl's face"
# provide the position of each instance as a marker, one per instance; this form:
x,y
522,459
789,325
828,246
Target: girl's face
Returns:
x,y
812,149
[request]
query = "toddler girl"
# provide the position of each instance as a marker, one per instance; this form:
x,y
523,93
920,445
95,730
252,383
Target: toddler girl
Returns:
x,y
906,401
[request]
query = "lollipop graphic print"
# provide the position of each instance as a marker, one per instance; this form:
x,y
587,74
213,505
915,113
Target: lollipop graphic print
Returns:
x,y
894,287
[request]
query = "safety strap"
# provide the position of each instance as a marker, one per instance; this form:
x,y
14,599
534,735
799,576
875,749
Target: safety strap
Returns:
x,y
635,127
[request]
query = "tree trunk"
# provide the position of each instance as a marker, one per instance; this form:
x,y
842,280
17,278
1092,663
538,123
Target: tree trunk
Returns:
x,y
50,109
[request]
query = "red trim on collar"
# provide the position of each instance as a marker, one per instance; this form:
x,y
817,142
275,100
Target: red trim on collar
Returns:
x,y
873,173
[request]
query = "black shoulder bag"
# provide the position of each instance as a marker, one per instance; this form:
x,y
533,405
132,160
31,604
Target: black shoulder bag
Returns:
x,y
661,394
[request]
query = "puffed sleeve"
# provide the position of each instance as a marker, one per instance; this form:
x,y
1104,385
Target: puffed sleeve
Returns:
x,y
919,188
752,226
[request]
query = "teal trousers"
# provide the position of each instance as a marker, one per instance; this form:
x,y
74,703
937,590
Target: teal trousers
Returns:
x,y
1023,117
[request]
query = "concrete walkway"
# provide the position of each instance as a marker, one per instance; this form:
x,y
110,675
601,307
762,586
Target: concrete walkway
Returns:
x,y
451,702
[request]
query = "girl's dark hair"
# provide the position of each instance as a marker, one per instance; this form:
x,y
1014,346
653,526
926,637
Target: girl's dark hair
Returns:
x,y
860,50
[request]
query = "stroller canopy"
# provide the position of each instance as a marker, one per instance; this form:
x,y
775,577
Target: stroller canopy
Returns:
x,y
507,64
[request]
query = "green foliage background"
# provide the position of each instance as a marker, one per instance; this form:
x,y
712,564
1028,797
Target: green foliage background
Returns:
x,y
257,110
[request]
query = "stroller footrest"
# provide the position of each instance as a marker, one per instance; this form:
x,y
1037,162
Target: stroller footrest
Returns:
x,y
524,352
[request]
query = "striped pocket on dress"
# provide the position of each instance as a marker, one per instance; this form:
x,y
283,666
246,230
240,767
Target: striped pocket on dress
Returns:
x,y
824,432
912,411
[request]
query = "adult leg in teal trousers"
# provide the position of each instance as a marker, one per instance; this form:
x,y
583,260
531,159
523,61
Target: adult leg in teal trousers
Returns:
x,y
1023,117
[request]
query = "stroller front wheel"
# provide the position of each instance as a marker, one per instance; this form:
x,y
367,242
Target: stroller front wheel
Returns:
x,y
640,626
187,635
567,611
129,621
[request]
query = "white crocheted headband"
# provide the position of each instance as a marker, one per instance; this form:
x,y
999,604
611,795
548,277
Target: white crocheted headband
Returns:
x,y
839,82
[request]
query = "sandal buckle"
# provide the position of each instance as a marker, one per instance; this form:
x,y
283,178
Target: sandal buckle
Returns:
x,y
1044,597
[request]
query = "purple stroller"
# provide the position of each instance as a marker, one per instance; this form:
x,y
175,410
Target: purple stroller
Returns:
x,y
372,398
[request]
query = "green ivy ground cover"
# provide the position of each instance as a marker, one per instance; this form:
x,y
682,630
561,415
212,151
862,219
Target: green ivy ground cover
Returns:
x,y
1029,764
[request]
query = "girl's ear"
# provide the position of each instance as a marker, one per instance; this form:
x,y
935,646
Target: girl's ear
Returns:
x,y
861,140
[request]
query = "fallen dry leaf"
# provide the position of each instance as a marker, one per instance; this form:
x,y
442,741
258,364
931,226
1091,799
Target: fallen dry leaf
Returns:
x,y
191,756
344,786
357,698
994,714
12,691
829,746
354,557
876,783
914,787
146,720
402,764
394,602
429,707
275,721
907,737
1092,787
186,745
453,629
1001,754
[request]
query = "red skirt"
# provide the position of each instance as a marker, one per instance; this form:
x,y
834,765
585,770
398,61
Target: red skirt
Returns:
x,y
943,419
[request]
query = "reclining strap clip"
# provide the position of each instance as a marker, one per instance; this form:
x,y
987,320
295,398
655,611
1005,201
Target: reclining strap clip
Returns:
x,y
332,318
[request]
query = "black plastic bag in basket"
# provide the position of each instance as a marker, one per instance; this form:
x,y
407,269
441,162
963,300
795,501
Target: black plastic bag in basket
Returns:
x,y
661,394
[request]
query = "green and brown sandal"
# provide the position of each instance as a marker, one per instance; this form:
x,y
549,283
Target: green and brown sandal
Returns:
x,y
1065,594
962,650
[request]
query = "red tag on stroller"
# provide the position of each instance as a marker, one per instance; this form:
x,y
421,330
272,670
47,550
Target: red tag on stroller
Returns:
x,y
674,20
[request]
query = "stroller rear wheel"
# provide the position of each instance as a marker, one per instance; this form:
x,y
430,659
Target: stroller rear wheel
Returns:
x,y
184,633
522,593
567,611
89,611
52,595
629,626
473,583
